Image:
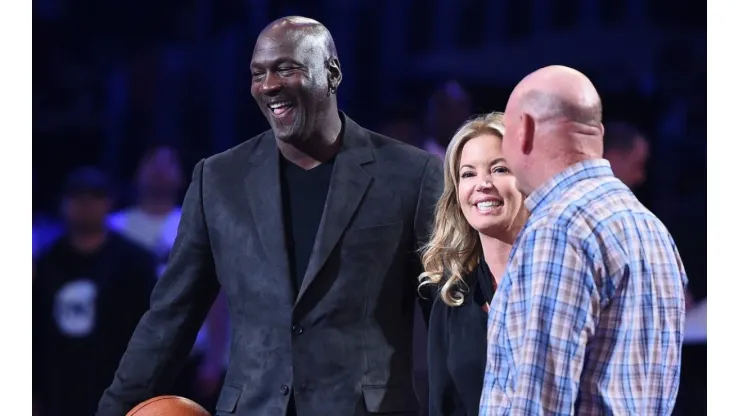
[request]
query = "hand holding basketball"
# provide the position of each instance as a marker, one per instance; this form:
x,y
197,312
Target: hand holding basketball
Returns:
x,y
168,406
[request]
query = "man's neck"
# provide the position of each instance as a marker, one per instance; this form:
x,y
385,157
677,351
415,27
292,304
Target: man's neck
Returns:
x,y
317,149
496,253
553,167
87,242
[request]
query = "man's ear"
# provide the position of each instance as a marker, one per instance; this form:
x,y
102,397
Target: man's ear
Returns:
x,y
334,75
526,133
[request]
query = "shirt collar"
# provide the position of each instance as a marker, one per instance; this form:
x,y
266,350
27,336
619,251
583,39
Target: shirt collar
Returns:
x,y
555,186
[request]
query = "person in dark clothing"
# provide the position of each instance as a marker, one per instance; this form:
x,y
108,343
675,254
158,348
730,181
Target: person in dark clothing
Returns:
x,y
476,222
311,231
90,288
627,150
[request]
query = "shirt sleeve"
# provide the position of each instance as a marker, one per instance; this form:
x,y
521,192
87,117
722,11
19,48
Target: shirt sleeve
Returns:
x,y
560,311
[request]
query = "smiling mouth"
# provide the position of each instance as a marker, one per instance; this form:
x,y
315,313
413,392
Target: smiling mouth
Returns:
x,y
488,206
279,108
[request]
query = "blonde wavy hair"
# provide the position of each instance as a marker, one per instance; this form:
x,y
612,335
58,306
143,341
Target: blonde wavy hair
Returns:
x,y
454,248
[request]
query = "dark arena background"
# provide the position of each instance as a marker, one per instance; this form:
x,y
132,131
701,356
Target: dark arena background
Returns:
x,y
136,92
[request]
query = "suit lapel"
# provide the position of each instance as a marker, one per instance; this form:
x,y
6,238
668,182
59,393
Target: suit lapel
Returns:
x,y
349,182
267,207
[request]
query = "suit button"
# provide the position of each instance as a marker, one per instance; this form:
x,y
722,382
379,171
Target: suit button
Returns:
x,y
284,389
298,329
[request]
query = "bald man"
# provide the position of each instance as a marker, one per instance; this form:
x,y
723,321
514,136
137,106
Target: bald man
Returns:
x,y
311,231
589,316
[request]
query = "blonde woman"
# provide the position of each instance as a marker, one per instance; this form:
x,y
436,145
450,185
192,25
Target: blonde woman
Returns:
x,y
477,219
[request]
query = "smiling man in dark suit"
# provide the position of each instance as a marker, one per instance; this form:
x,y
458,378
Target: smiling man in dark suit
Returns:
x,y
311,230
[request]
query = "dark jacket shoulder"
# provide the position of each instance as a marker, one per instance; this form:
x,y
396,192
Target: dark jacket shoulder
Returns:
x,y
398,151
386,150
239,153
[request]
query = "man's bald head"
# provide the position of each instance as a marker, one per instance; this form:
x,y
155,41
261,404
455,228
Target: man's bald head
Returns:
x,y
558,93
553,119
301,29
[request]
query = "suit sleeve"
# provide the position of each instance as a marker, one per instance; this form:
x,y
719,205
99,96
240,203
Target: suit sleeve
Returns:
x,y
430,190
178,306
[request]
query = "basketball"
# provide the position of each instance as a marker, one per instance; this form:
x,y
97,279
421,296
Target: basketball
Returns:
x,y
168,406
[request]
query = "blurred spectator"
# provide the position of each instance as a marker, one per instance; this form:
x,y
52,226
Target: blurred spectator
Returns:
x,y
686,219
402,124
152,222
627,150
90,289
685,212
449,107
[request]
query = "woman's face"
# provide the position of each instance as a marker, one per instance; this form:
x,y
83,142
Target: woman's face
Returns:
x,y
487,193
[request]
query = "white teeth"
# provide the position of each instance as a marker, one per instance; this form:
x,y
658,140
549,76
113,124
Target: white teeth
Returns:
x,y
275,106
488,205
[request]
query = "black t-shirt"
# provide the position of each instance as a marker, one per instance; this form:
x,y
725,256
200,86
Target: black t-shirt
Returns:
x,y
85,308
304,195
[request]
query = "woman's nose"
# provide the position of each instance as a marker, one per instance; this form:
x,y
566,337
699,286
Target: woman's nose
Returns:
x,y
485,183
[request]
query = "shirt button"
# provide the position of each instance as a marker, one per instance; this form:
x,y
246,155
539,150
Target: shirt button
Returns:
x,y
298,329
284,389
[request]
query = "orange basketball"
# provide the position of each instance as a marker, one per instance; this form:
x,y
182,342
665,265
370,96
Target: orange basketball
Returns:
x,y
168,406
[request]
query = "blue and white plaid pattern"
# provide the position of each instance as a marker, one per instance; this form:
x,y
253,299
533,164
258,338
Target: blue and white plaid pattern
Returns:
x,y
589,317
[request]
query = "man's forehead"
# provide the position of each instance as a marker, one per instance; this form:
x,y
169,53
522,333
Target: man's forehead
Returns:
x,y
277,47
271,42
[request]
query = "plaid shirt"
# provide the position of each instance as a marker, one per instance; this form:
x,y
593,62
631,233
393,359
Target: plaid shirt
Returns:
x,y
589,317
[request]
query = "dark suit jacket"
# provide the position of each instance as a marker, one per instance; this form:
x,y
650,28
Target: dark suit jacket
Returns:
x,y
342,345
